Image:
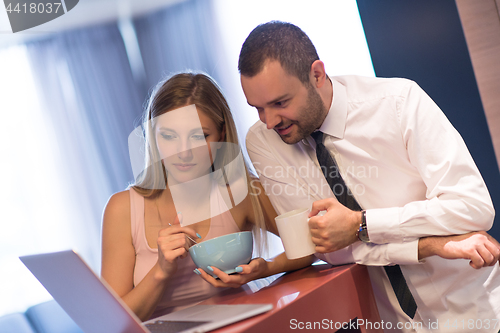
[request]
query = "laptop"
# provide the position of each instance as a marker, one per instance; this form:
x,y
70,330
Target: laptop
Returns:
x,y
95,307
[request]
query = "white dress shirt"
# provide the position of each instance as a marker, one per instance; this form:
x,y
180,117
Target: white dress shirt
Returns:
x,y
411,171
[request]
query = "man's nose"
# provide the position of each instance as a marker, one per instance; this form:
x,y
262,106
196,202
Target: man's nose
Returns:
x,y
271,118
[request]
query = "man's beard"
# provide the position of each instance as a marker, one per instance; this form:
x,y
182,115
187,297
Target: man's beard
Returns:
x,y
309,118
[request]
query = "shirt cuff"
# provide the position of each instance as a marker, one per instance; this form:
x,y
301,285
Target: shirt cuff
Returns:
x,y
383,225
403,253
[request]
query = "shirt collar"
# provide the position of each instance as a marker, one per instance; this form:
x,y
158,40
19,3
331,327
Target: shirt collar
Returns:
x,y
335,121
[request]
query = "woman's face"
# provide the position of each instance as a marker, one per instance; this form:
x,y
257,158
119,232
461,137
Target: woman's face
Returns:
x,y
187,140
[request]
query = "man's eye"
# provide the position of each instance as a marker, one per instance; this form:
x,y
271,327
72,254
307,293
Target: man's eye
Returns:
x,y
280,104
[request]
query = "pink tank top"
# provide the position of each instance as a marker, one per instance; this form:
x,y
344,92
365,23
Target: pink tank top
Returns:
x,y
185,288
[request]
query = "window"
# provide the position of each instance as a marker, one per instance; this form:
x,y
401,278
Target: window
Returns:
x,y
34,217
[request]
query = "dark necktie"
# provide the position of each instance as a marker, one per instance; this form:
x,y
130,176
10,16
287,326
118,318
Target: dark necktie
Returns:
x,y
345,197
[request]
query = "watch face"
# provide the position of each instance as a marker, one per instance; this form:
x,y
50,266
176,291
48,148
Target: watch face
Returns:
x,y
363,230
363,236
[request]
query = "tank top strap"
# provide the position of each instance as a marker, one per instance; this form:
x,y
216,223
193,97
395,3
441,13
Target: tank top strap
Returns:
x,y
137,219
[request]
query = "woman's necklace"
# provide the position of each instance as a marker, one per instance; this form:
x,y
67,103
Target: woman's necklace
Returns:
x,y
161,221
158,211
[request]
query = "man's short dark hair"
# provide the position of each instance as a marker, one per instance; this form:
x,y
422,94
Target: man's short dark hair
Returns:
x,y
279,41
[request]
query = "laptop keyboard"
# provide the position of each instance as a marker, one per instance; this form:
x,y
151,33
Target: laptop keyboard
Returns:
x,y
172,326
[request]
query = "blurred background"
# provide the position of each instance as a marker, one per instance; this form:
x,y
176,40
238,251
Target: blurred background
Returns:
x,y
73,89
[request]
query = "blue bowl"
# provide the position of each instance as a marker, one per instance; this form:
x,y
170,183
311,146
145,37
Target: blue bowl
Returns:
x,y
224,252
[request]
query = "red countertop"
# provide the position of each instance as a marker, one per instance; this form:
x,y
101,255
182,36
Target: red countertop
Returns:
x,y
320,295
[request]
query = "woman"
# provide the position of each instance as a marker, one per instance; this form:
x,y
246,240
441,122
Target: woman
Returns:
x,y
190,139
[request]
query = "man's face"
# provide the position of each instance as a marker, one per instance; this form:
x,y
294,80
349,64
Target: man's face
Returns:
x,y
284,104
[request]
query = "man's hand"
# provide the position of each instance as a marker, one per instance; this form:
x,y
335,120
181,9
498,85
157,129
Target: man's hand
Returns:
x,y
334,230
480,248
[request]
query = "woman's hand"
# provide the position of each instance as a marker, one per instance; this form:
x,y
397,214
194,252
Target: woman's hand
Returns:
x,y
173,244
479,247
245,273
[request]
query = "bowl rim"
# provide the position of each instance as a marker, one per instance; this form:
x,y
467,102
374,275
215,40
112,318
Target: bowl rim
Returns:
x,y
208,240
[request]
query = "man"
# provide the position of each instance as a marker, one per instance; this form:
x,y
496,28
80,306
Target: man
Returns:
x,y
403,174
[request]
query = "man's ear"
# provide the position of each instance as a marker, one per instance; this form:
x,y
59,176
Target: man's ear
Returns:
x,y
318,74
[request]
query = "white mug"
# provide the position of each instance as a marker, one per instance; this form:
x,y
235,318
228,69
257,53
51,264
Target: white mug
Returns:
x,y
295,234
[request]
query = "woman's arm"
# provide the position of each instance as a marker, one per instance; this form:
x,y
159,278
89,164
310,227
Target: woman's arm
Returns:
x,y
279,263
480,248
118,257
118,260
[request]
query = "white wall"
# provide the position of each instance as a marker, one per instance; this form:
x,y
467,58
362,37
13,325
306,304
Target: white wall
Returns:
x,y
334,26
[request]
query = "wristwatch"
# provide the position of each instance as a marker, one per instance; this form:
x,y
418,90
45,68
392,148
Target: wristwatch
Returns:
x,y
363,230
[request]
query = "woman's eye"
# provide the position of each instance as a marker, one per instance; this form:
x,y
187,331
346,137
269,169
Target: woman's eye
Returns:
x,y
168,136
199,136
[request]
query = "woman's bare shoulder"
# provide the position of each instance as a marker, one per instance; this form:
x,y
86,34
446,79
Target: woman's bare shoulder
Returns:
x,y
118,206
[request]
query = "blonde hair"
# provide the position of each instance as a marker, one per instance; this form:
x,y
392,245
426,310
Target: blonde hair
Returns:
x,y
173,93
